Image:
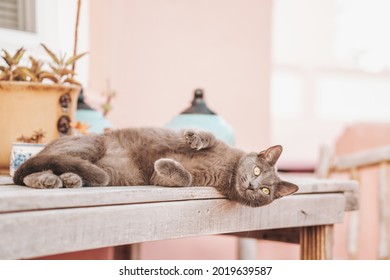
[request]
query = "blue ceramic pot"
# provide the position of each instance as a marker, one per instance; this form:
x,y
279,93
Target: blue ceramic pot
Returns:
x,y
93,118
199,116
212,123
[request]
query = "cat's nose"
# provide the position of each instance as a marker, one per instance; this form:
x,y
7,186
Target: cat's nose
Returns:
x,y
251,187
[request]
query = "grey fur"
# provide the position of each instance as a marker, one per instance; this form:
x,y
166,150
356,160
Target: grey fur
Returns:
x,y
157,156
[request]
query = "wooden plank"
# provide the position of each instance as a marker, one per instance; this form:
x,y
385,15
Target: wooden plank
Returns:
x,y
383,212
350,188
6,180
286,235
362,158
316,242
37,233
325,161
352,200
19,198
353,226
318,185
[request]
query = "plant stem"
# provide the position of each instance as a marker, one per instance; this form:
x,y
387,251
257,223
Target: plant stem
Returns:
x,y
76,34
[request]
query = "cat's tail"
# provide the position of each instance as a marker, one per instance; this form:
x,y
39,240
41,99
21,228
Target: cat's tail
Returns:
x,y
91,174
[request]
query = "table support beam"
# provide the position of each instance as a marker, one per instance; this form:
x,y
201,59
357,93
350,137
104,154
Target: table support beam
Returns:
x,y
316,242
127,252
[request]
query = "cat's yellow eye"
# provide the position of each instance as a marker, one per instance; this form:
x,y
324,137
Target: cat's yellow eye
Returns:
x,y
256,171
265,190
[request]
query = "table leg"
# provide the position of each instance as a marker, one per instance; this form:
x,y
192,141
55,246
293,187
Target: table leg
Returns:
x,y
127,252
247,248
316,242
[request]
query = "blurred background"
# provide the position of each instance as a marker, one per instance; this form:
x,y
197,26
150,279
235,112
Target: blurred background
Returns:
x,y
300,73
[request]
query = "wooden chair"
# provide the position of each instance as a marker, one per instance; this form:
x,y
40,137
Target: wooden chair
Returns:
x,y
330,163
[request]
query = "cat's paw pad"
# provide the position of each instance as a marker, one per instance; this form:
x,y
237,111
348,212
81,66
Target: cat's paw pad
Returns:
x,y
195,140
171,173
71,180
43,180
166,166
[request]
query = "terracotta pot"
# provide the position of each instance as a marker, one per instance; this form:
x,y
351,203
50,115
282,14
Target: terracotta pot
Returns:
x,y
27,107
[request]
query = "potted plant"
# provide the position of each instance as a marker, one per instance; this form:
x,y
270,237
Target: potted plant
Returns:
x,y
24,148
33,98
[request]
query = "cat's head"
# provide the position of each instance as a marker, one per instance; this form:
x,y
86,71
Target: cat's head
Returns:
x,y
257,181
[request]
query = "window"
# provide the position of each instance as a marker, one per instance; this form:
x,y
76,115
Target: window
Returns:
x,y
18,15
331,67
45,21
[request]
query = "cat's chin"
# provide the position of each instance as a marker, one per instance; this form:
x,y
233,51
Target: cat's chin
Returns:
x,y
252,200
254,203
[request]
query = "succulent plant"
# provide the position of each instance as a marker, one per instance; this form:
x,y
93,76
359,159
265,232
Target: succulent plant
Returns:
x,y
35,72
36,137
61,72
12,71
61,67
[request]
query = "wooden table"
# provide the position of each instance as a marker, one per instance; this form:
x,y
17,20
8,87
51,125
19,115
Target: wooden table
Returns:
x,y
35,222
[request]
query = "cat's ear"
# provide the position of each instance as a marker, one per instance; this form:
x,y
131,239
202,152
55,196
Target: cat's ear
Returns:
x,y
285,188
272,154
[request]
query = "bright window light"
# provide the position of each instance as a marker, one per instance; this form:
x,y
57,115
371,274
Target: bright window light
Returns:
x,y
362,38
286,98
352,99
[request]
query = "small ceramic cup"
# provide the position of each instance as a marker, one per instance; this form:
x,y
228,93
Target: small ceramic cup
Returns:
x,y
21,152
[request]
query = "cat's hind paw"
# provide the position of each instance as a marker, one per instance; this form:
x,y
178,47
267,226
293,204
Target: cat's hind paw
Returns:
x,y
43,180
71,180
171,173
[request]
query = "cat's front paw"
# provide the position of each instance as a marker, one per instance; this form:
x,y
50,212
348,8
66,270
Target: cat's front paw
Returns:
x,y
197,139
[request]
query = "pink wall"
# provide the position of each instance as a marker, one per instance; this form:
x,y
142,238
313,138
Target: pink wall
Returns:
x,y
155,53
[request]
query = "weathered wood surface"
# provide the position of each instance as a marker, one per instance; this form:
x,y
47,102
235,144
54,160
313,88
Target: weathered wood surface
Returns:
x,y
286,235
43,222
362,159
324,162
20,198
352,163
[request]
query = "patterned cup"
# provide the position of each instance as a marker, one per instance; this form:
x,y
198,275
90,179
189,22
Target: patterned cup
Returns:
x,y
21,152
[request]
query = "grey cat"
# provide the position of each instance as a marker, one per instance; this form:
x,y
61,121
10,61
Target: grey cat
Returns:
x,y
157,156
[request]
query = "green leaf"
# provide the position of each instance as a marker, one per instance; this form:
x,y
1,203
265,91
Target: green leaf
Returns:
x,y
71,81
52,55
55,69
64,72
48,75
35,62
25,72
7,57
18,55
74,58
